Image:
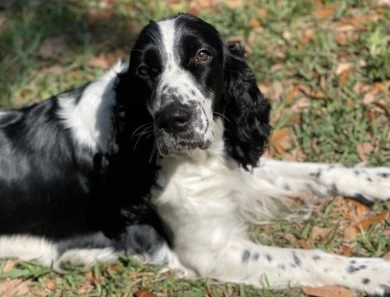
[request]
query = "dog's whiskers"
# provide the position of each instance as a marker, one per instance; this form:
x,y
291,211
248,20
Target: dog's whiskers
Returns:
x,y
221,115
147,125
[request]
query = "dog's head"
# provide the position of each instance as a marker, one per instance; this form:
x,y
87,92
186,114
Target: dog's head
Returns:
x,y
184,76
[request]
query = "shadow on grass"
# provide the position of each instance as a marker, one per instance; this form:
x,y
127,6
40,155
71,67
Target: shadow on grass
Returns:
x,y
84,29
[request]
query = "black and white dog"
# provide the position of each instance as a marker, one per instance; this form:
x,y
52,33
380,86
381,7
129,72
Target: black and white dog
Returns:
x,y
160,159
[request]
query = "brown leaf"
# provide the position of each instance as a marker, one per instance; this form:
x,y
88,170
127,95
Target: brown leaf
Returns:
x,y
12,287
346,251
383,3
292,94
233,4
116,267
99,62
368,98
341,67
144,293
50,285
351,233
308,36
363,150
324,12
291,238
318,233
327,291
305,244
309,92
360,209
9,265
343,77
387,255
53,47
106,60
254,23
366,223
262,12
280,140
89,276
341,39
99,16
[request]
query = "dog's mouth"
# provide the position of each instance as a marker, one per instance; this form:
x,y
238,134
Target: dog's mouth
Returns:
x,y
180,144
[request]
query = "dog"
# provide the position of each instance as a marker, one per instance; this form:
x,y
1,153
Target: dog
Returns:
x,y
160,159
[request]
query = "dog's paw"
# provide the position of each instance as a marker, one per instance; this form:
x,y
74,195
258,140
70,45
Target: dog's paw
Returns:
x,y
365,184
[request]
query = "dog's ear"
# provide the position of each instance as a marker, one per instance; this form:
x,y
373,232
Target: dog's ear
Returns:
x,y
246,112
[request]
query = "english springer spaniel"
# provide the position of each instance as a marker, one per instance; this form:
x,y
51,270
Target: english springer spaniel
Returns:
x,y
160,159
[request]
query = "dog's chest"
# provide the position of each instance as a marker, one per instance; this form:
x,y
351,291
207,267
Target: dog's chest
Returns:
x,y
197,198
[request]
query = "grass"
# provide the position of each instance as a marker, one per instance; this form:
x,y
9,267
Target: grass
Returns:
x,y
323,64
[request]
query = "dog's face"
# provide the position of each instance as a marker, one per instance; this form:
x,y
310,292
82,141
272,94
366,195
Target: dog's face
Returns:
x,y
181,76
177,65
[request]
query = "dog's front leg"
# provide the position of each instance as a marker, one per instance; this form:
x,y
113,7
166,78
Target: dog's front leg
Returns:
x,y
242,261
363,183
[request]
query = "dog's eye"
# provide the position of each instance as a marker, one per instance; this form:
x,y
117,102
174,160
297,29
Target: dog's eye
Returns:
x,y
143,70
203,57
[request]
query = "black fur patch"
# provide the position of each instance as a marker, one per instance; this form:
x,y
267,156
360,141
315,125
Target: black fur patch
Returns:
x,y
245,256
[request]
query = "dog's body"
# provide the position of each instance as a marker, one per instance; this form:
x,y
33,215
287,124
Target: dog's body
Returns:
x,y
67,191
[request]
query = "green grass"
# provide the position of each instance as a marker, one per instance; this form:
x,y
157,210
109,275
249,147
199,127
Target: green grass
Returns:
x,y
298,54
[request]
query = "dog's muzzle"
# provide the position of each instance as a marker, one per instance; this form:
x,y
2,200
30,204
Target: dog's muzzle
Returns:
x,y
175,130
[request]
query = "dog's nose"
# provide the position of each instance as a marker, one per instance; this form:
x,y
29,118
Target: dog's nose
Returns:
x,y
173,118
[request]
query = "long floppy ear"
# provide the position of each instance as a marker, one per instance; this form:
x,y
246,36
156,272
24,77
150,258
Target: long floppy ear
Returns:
x,y
246,111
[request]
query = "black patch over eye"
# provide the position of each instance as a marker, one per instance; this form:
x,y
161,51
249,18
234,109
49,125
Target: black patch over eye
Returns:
x,y
202,57
143,70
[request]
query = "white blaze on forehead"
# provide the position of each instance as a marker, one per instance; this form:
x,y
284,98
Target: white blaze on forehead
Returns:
x,y
167,30
177,85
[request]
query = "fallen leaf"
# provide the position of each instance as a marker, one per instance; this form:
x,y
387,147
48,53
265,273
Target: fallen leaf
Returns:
x,y
366,223
311,93
9,265
99,62
341,39
308,36
351,233
305,244
327,291
144,293
324,12
116,267
346,251
100,16
233,4
341,67
89,276
383,3
12,287
50,285
318,233
53,47
276,91
291,238
280,140
387,255
368,98
343,77
363,150
262,12
106,60
292,94
360,209
254,23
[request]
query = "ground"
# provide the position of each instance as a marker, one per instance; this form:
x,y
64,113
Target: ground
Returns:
x,y
324,65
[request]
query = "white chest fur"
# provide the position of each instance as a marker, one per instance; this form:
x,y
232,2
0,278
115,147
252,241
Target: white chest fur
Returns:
x,y
200,196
